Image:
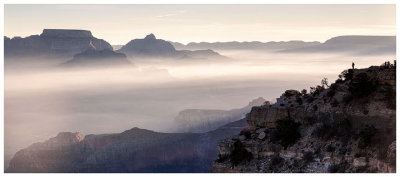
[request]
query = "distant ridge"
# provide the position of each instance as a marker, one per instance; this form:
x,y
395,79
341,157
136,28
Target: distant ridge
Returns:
x,y
134,150
352,44
234,45
150,46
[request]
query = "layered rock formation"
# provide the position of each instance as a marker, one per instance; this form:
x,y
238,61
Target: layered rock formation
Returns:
x,y
52,43
150,47
200,120
348,127
134,150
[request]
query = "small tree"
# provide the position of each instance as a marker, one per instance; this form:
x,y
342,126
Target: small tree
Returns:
x,y
304,91
312,90
324,82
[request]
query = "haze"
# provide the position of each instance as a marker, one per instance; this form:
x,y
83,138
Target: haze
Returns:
x,y
43,99
194,23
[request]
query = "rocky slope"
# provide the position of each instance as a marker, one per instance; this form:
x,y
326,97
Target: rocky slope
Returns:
x,y
134,150
52,43
349,126
150,47
201,120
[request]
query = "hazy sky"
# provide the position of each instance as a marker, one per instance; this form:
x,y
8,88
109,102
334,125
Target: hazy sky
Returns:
x,y
118,24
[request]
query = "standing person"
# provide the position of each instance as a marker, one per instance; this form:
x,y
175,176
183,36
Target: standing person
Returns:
x,y
352,65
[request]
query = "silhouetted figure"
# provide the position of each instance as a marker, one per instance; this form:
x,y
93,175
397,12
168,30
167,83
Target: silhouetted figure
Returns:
x,y
352,65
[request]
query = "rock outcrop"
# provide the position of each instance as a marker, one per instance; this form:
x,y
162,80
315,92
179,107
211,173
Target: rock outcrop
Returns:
x,y
150,47
201,120
52,43
346,127
134,150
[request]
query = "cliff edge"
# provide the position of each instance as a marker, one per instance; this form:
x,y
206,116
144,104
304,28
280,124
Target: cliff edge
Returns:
x,y
349,126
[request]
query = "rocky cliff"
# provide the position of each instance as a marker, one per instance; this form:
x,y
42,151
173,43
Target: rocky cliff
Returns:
x,y
203,120
134,150
151,47
349,126
52,43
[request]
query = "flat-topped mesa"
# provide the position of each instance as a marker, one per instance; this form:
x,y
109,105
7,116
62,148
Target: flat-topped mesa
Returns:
x,y
66,33
53,43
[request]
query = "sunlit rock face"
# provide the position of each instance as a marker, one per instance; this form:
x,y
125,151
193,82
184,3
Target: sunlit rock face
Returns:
x,y
346,127
53,43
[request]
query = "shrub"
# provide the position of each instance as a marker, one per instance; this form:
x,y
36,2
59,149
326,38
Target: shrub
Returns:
x,y
221,158
390,97
276,162
239,153
308,157
334,103
310,99
315,108
332,90
304,91
315,91
324,82
347,99
330,148
338,81
346,74
309,120
338,168
362,86
365,136
299,101
337,127
267,103
287,132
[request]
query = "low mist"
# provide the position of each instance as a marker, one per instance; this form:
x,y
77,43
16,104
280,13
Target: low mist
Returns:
x,y
43,100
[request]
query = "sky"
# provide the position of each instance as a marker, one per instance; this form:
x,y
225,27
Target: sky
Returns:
x,y
118,24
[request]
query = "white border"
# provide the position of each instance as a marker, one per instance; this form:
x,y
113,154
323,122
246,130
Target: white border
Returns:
x,y
181,2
